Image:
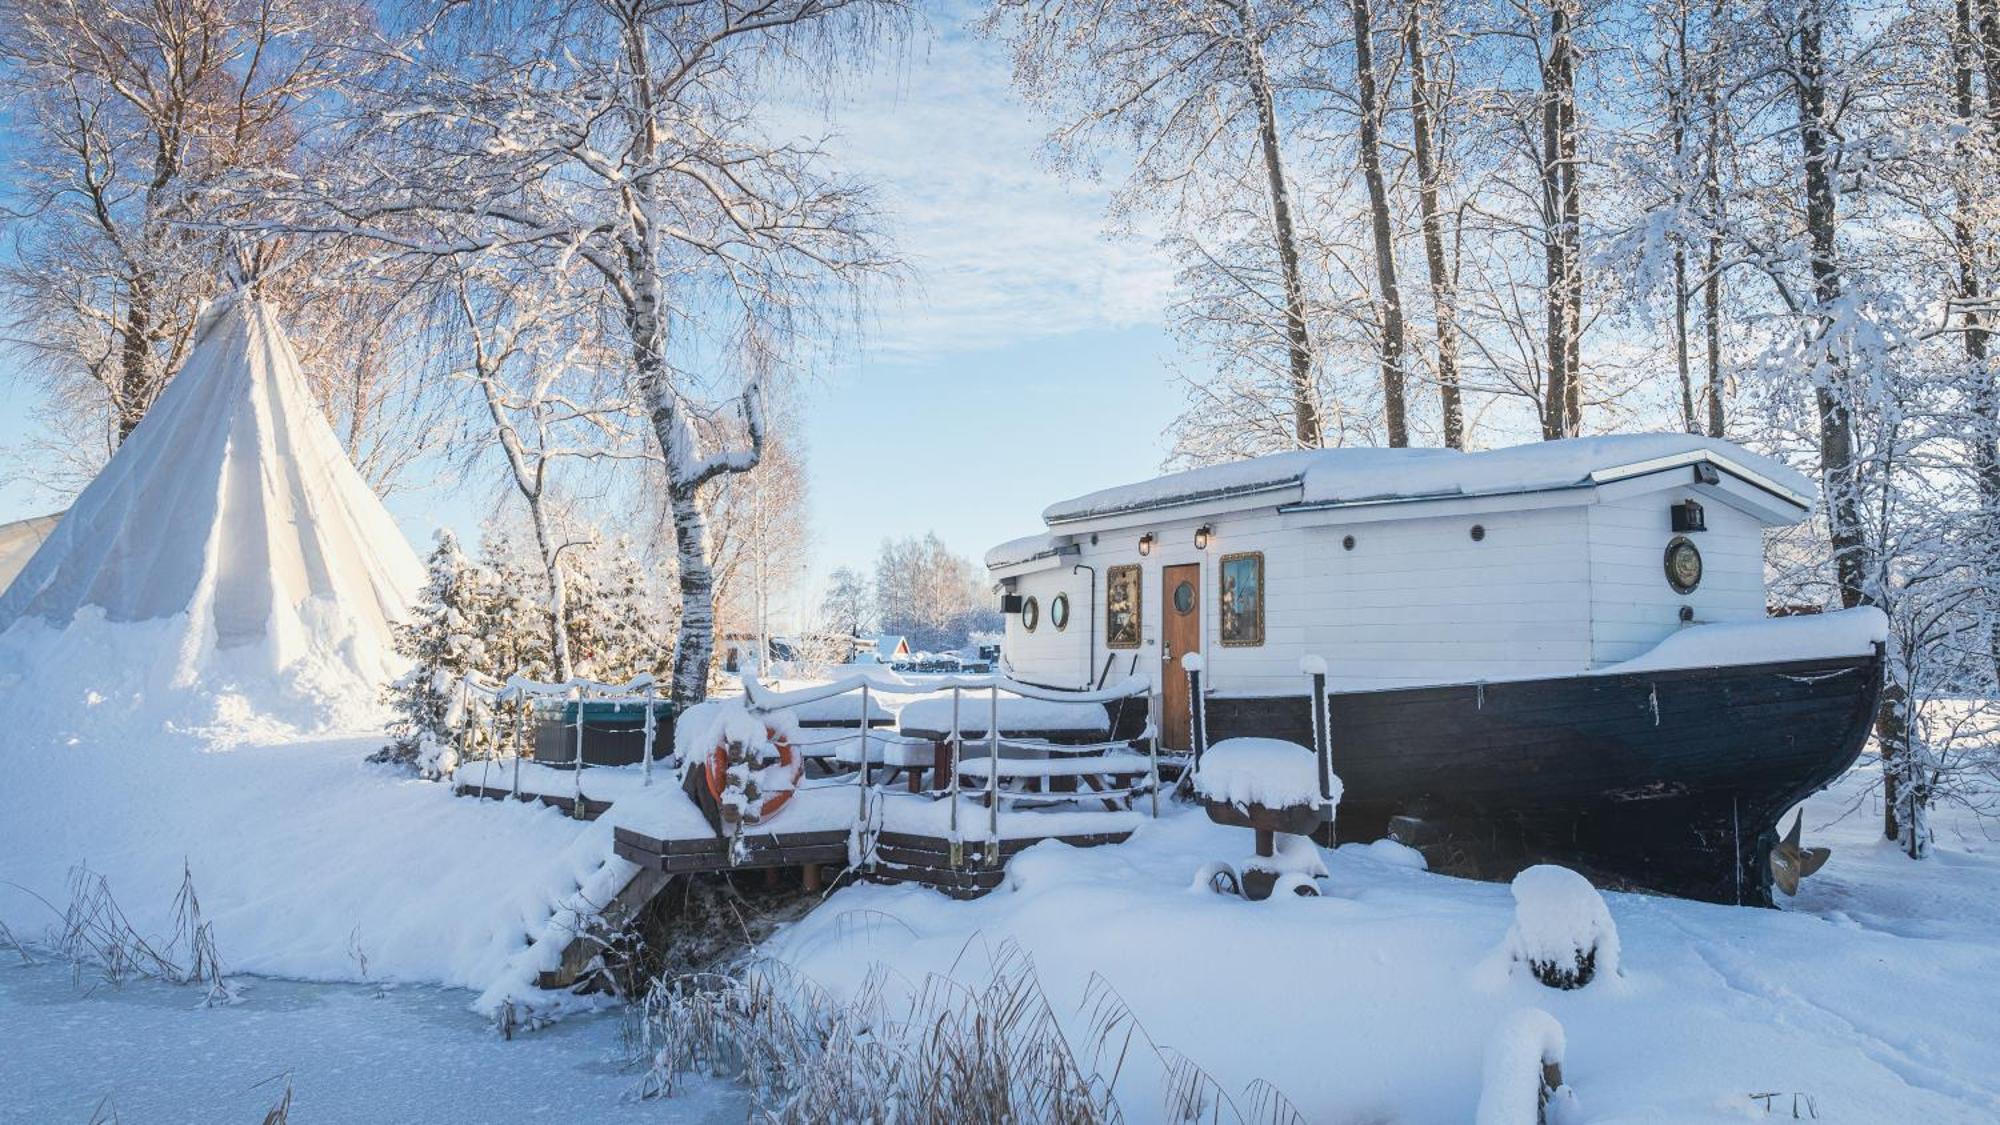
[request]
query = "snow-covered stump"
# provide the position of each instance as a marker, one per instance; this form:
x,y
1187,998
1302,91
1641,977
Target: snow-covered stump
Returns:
x,y
1562,929
1521,1082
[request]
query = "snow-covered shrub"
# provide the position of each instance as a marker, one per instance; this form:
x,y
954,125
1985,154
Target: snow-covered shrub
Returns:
x,y
994,1052
1562,929
1521,1082
946,1049
442,639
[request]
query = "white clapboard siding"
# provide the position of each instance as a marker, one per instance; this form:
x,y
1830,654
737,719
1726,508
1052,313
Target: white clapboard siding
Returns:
x,y
1632,606
1549,590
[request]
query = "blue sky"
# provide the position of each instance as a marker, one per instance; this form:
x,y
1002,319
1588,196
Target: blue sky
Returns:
x,y
1023,363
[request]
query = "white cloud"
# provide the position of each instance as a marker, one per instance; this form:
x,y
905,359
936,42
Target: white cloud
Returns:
x,y
1002,248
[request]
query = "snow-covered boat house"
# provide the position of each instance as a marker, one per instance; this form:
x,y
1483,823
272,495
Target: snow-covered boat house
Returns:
x,y
1426,580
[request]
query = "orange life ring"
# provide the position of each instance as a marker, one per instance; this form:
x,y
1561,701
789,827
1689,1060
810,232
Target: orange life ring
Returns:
x,y
768,803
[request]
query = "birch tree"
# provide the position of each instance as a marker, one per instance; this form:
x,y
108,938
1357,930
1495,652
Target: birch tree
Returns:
x,y
538,380
1186,87
1429,97
130,115
623,135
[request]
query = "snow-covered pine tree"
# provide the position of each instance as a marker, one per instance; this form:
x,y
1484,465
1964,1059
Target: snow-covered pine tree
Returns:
x,y
583,613
629,635
443,640
513,617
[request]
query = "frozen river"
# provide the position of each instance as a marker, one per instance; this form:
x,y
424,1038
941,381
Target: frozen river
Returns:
x,y
148,1052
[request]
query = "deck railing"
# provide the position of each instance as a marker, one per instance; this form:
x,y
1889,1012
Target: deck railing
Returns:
x,y
524,697
762,700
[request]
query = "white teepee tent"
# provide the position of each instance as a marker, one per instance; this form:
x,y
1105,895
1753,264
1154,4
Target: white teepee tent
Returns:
x,y
229,560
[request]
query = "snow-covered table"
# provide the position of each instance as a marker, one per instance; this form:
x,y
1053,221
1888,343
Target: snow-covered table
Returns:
x,y
1019,718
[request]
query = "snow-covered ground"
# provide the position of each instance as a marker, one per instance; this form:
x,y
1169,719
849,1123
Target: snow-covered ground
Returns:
x,y
1873,995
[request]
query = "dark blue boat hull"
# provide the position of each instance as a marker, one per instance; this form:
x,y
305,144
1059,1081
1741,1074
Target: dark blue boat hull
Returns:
x,y
1666,781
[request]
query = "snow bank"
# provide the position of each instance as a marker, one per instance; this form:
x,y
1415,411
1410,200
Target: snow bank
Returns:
x,y
1511,1080
1330,476
1812,636
1728,1002
1562,930
1261,771
1387,851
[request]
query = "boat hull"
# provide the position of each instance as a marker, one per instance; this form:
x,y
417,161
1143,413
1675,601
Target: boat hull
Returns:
x,y
1670,781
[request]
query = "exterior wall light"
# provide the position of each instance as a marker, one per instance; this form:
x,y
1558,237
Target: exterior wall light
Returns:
x,y
1146,544
1201,537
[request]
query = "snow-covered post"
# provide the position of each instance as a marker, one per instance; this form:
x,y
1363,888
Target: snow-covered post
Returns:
x,y
1197,708
1562,929
651,728
1153,759
863,776
993,775
1521,1081
576,693
1322,723
492,743
524,713
957,748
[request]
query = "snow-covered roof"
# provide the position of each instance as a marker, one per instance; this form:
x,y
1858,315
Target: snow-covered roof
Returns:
x,y
1025,549
1359,475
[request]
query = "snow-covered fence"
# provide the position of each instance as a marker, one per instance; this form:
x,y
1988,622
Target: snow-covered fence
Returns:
x,y
525,697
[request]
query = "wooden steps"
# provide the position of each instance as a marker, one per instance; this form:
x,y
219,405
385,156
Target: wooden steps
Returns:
x,y
712,853
905,857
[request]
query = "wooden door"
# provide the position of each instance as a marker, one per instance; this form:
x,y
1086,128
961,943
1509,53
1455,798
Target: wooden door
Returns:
x,y
1180,634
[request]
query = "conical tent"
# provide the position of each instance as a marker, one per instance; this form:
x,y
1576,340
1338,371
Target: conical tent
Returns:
x,y
228,547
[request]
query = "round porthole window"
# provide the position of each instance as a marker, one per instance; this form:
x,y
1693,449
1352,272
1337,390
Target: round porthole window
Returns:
x,y
1683,565
1184,598
1059,612
1031,614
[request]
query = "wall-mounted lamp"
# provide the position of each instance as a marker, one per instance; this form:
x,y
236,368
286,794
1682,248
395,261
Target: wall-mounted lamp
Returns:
x,y
1146,544
1201,537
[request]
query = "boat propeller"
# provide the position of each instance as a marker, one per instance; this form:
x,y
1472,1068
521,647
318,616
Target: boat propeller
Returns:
x,y
1791,862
